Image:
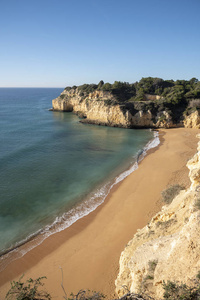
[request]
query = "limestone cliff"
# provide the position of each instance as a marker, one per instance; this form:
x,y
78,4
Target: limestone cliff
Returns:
x,y
102,107
107,108
95,108
193,120
168,248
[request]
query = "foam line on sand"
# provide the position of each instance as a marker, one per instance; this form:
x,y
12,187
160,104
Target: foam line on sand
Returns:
x,y
89,250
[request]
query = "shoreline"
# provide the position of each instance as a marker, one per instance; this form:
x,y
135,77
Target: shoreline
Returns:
x,y
88,251
36,238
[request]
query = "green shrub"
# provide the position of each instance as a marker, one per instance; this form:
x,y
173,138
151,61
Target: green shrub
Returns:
x,y
162,118
100,84
106,87
152,265
149,277
171,192
86,295
87,88
68,88
174,290
29,290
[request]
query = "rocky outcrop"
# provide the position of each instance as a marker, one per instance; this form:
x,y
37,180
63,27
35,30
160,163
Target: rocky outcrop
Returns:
x,y
193,120
149,97
101,107
95,108
168,248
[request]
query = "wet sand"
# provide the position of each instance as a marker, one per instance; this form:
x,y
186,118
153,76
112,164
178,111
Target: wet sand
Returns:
x,y
88,252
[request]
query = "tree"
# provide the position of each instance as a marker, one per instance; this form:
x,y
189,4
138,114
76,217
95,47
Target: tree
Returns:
x,y
100,84
107,86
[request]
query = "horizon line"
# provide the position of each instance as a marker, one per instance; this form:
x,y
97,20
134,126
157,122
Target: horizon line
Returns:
x,y
32,87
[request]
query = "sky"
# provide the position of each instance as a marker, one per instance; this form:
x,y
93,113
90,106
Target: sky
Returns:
x,y
58,43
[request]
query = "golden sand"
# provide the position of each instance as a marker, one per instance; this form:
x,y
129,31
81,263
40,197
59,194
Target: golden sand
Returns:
x,y
89,250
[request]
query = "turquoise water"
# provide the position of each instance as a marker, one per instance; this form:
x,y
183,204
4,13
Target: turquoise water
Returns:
x,y
54,169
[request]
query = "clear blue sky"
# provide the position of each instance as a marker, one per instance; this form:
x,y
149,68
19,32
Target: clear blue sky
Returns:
x,y
55,43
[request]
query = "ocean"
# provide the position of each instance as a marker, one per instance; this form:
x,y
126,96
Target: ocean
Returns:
x,y
54,169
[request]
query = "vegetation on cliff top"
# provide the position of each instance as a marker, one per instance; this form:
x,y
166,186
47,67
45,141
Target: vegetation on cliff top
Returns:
x,y
168,90
177,98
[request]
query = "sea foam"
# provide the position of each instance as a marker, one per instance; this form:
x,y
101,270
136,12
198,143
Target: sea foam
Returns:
x,y
81,210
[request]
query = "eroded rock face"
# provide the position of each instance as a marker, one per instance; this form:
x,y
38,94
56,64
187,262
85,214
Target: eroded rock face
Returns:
x,y
95,108
168,248
101,107
193,120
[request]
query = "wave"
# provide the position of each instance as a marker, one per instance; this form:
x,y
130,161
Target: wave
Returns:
x,y
81,210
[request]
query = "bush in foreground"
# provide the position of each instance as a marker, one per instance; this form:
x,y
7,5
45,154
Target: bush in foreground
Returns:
x,y
30,290
174,290
85,295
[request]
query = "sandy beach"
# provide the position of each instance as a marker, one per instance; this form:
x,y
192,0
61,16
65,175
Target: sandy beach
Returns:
x,y
88,252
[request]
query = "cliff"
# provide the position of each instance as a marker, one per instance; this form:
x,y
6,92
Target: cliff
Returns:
x,y
95,108
192,120
168,248
104,108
